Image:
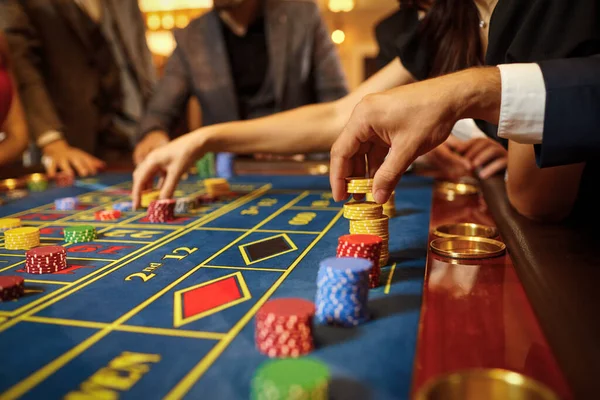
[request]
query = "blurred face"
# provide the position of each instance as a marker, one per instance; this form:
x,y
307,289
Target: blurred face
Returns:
x,y
226,4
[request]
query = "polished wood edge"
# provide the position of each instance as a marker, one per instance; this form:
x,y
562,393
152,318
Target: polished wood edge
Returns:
x,y
565,326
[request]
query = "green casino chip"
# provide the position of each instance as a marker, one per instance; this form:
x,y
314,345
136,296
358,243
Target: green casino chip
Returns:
x,y
79,233
291,379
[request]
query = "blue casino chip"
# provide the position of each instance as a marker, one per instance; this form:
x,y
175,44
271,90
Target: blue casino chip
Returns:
x,y
66,204
123,206
343,291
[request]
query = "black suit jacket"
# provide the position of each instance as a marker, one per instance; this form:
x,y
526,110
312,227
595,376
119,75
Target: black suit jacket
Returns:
x,y
572,118
303,60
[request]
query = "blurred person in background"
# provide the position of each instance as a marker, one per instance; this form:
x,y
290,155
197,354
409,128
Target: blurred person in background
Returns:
x,y
84,72
243,60
13,128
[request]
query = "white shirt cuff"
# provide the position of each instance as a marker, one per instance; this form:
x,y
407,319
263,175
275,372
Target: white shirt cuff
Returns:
x,y
48,137
523,103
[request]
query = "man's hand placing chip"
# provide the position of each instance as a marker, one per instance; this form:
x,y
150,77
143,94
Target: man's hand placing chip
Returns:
x,y
393,128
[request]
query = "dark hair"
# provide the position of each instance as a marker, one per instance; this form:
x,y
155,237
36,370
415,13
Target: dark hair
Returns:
x,y
451,28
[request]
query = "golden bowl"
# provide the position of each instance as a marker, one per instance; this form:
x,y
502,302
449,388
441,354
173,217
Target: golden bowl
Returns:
x,y
457,188
485,384
11,184
465,229
467,247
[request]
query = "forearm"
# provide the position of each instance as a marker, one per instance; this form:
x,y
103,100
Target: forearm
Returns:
x,y
475,93
307,129
541,194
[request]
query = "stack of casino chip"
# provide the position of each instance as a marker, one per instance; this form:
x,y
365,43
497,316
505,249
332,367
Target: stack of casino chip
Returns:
x,y
45,260
22,238
291,379
7,224
149,197
205,167
284,328
107,215
123,206
359,185
79,233
161,211
11,287
66,204
184,205
362,210
343,291
363,246
379,227
37,182
389,207
205,199
64,180
217,186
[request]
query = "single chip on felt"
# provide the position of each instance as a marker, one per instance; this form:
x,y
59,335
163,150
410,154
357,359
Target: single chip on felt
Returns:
x,y
11,287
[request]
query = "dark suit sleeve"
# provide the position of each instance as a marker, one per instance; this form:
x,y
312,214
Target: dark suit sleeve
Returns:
x,y
170,97
330,81
26,58
572,116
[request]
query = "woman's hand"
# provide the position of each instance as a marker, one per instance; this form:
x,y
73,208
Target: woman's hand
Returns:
x,y
487,157
59,155
170,161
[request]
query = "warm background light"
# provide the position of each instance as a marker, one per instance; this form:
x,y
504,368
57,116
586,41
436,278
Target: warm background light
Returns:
x,y
168,22
170,5
341,5
338,36
351,24
161,43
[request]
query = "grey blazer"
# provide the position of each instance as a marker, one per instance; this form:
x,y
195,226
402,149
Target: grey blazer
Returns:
x,y
51,58
304,62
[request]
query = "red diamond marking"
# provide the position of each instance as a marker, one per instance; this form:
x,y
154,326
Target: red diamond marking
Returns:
x,y
211,296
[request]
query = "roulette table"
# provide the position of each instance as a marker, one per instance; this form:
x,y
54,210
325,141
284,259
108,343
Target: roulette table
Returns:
x,y
166,310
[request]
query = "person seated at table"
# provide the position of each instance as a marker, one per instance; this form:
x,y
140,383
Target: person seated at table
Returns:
x,y
245,59
13,127
84,72
431,49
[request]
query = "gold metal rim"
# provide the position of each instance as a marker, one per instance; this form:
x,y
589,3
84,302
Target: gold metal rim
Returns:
x,y
11,184
37,177
484,231
467,247
460,188
511,378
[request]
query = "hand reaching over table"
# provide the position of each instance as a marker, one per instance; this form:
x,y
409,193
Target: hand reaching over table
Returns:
x,y
391,129
59,155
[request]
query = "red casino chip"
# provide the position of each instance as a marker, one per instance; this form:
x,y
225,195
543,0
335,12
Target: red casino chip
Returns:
x,y
45,260
287,308
161,211
363,246
107,215
11,287
64,180
283,328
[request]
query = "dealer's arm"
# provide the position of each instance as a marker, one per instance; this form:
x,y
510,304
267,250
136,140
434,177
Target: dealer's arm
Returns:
x,y
411,120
